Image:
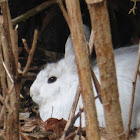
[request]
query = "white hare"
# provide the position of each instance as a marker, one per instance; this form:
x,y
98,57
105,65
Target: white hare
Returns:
x,y
55,86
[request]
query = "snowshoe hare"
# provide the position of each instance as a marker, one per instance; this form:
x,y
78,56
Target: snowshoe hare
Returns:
x,y
55,86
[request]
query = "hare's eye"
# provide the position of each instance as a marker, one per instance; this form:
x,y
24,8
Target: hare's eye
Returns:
x,y
52,79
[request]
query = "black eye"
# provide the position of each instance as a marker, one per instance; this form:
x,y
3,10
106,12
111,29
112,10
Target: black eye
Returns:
x,y
52,79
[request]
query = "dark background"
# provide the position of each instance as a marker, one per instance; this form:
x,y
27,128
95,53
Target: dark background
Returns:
x,y
53,31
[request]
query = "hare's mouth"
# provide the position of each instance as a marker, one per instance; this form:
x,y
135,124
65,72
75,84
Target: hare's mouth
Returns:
x,y
37,100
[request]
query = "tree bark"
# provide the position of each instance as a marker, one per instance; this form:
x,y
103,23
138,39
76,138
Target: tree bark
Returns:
x,y
105,57
83,66
12,118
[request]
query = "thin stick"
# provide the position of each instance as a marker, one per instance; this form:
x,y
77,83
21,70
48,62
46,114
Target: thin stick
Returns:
x,y
71,121
26,46
119,135
71,135
7,72
60,3
133,8
3,107
133,94
95,80
72,112
97,85
80,127
91,42
15,48
5,104
33,12
24,136
31,52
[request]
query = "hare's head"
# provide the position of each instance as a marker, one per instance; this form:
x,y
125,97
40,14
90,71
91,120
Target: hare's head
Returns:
x,y
55,85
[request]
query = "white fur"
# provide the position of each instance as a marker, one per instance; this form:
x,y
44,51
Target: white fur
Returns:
x,y
55,99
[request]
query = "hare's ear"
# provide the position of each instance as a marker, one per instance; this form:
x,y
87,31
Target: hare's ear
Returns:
x,y
69,52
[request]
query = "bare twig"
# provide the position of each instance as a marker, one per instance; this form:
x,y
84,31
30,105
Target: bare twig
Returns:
x,y
71,135
91,42
133,94
118,136
72,112
80,113
60,3
7,71
49,15
31,53
11,89
5,47
24,136
3,107
95,80
97,85
33,11
2,135
133,8
73,118
5,104
15,48
26,46
11,119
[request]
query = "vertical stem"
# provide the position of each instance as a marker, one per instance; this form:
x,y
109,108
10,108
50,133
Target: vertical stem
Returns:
x,y
133,94
12,119
105,57
83,66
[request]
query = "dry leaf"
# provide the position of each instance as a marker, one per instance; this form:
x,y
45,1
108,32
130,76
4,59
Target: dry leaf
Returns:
x,y
55,125
24,116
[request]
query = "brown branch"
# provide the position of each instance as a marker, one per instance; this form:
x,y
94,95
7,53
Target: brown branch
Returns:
x,y
24,136
3,107
9,34
105,57
91,42
95,80
80,127
15,47
5,47
118,136
12,118
133,8
8,73
31,53
5,104
83,66
72,112
33,12
133,93
49,15
60,3
75,102
96,83
2,135
26,46
71,136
